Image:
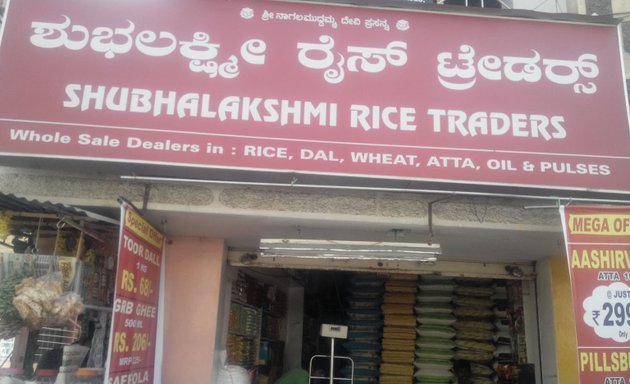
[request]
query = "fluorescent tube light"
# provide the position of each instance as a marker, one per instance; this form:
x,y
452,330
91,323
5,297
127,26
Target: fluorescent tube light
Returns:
x,y
337,249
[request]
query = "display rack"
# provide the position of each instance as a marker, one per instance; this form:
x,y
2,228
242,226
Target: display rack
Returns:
x,y
243,342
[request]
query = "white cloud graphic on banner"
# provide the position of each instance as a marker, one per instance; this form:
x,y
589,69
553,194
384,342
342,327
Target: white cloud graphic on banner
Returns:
x,y
607,311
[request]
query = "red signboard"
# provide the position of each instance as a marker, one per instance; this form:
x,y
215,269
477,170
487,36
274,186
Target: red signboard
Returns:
x,y
131,356
598,250
315,88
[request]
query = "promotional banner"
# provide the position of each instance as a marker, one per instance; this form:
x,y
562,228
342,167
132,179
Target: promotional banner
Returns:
x,y
323,89
131,356
598,250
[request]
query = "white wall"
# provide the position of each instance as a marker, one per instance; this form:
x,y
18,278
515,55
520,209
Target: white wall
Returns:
x,y
294,329
552,6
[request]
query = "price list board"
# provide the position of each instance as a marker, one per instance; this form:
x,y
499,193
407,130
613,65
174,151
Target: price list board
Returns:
x,y
598,250
131,356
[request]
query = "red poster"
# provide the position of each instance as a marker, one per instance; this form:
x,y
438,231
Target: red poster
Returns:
x,y
598,250
131,356
279,86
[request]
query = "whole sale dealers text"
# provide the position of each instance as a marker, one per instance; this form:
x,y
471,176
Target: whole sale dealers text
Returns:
x,y
458,70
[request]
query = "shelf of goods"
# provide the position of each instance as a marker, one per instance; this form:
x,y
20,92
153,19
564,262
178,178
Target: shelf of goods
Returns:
x,y
257,314
433,330
243,341
399,330
464,333
365,321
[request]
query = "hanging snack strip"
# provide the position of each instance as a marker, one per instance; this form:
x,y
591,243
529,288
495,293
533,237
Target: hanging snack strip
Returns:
x,y
365,322
509,350
398,333
434,344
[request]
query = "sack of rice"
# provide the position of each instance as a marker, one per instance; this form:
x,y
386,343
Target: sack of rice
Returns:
x,y
442,331
366,293
434,343
365,359
399,333
444,308
363,372
362,346
475,334
397,309
355,335
397,369
436,287
364,365
398,344
436,319
475,345
473,301
399,357
427,298
394,379
365,380
368,323
435,365
400,320
424,375
502,340
434,354
364,337
473,325
481,369
400,286
503,350
363,314
477,313
399,298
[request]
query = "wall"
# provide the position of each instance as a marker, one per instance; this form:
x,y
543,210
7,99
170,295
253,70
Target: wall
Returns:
x,y
566,338
295,329
558,342
192,295
546,318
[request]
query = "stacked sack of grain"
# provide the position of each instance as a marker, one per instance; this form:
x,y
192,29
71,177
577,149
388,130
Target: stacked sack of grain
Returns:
x,y
398,332
475,330
434,343
365,323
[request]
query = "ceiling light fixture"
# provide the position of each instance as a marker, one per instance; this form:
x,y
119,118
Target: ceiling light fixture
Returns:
x,y
337,249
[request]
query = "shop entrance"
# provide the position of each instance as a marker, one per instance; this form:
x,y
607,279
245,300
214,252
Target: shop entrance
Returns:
x,y
402,328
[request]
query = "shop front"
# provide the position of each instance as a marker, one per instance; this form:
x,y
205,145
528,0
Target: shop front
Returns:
x,y
209,283
302,175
